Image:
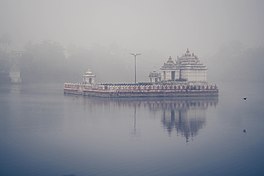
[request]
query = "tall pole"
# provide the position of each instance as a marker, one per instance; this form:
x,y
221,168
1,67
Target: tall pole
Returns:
x,y
135,56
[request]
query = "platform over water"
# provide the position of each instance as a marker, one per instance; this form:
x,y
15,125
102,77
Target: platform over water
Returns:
x,y
187,89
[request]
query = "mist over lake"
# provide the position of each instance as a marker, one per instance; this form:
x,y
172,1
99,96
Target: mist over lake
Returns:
x,y
44,44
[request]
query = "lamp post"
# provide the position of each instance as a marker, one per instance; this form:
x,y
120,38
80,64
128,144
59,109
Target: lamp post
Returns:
x,y
135,56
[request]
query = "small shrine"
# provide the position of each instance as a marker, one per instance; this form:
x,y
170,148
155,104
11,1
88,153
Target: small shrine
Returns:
x,y
154,77
89,77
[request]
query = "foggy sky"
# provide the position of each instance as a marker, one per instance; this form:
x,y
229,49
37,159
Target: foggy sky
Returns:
x,y
165,26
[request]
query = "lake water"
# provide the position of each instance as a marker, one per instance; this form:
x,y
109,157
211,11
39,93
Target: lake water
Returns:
x,y
46,133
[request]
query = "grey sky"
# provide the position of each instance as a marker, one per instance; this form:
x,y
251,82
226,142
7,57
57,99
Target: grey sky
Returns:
x,y
166,26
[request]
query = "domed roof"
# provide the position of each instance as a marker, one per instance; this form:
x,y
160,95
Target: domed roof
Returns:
x,y
170,64
190,61
89,73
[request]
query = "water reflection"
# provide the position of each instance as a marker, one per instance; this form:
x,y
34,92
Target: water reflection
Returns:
x,y
135,121
184,117
43,132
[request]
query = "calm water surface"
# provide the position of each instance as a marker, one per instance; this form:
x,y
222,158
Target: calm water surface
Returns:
x,y
46,133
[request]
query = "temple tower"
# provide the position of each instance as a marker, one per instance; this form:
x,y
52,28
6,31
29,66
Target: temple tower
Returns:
x,y
191,68
186,68
169,71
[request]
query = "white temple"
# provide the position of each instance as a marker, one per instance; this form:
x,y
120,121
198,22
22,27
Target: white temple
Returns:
x,y
154,77
89,77
184,77
186,68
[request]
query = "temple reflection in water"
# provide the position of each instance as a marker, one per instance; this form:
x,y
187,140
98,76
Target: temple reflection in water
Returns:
x,y
185,116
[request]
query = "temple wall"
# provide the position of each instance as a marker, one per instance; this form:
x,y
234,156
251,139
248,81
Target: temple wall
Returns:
x,y
194,75
154,79
168,75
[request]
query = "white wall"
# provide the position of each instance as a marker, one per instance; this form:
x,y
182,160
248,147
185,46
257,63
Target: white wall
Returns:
x,y
194,75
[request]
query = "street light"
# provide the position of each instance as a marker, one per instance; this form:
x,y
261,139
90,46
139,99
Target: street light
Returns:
x,y
135,56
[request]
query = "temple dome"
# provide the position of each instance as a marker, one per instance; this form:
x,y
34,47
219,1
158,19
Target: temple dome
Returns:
x,y
170,64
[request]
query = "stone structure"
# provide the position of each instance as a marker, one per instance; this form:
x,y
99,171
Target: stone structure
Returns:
x,y
185,77
169,70
191,68
186,68
154,77
88,78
